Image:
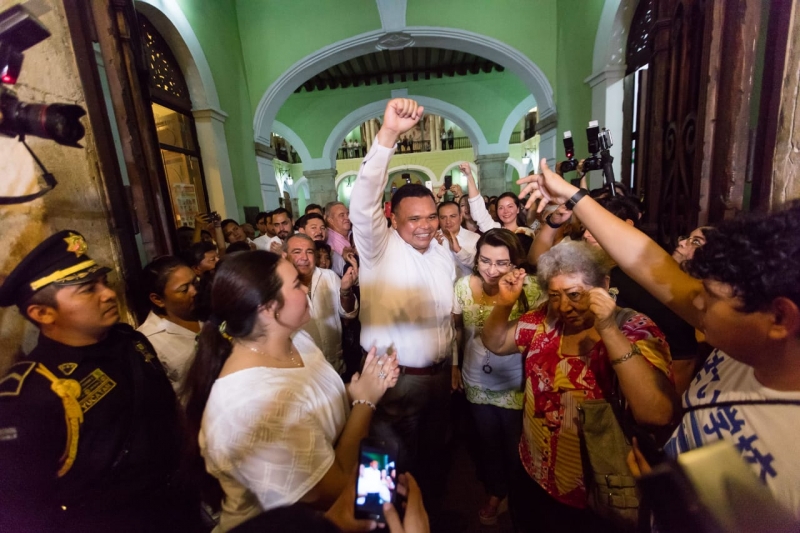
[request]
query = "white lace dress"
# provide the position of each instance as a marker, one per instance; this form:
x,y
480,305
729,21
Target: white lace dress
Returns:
x,y
267,433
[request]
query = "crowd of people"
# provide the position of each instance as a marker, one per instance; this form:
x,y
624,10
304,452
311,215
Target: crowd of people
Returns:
x,y
261,362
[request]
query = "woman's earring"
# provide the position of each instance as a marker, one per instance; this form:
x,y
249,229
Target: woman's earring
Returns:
x,y
277,315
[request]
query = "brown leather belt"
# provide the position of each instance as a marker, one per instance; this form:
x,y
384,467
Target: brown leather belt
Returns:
x,y
424,371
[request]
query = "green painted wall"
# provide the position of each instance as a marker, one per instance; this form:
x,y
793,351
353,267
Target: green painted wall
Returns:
x,y
577,28
488,98
278,33
215,24
527,25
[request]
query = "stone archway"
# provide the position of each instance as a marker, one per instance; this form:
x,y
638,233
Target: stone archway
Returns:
x,y
376,109
171,23
421,36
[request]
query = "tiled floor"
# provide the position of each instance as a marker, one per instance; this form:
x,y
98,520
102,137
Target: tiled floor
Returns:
x,y
465,494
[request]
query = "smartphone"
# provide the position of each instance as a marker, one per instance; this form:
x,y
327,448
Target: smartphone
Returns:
x,y
377,479
448,182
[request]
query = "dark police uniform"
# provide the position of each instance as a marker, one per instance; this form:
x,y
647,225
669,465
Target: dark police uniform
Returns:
x,y
90,436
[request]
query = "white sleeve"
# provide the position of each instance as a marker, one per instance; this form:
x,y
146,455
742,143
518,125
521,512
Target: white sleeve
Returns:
x,y
480,215
276,449
370,228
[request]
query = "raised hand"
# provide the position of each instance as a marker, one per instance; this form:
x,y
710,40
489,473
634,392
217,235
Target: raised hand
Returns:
x,y
454,246
547,186
510,287
401,115
466,168
560,215
602,306
457,190
276,248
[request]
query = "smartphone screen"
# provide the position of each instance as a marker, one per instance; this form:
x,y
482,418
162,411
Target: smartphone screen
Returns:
x,y
448,182
377,479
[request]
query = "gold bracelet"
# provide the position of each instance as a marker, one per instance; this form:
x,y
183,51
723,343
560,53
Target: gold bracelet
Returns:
x,y
634,351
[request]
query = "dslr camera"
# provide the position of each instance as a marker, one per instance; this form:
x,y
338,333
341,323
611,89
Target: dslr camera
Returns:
x,y
19,30
600,142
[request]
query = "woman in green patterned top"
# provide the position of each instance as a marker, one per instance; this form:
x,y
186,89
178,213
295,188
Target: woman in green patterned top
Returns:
x,y
493,384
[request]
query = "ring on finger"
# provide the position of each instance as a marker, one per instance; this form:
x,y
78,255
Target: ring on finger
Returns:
x,y
382,374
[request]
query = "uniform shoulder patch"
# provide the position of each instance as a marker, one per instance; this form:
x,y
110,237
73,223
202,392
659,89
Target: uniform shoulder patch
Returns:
x,y
11,384
67,368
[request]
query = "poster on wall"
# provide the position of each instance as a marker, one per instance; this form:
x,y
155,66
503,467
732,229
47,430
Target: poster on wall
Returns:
x,y
185,200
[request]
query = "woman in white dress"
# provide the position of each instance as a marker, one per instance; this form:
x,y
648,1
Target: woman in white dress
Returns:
x,y
276,424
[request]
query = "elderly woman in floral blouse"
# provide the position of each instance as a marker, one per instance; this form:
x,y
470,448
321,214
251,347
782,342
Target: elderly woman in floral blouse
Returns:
x,y
574,346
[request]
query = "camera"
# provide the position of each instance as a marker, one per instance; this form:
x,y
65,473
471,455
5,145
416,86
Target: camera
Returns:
x,y
569,149
213,216
19,30
600,143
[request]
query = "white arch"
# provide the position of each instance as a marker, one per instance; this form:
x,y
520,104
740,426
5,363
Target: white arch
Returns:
x,y
517,165
172,24
421,36
425,170
300,185
611,39
432,105
511,121
342,177
279,128
451,166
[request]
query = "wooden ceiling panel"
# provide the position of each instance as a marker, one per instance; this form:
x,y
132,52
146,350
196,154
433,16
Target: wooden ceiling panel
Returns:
x,y
399,66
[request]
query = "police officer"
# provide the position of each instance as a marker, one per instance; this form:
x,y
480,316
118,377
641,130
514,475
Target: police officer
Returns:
x,y
90,438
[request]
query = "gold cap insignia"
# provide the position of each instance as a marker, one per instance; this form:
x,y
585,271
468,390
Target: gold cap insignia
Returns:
x,y
76,244
67,368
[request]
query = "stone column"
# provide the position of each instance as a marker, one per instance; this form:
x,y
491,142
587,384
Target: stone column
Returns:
x,y
607,97
270,192
546,128
321,185
492,173
210,124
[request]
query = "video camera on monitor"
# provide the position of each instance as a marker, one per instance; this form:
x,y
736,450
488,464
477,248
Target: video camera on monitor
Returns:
x,y
599,144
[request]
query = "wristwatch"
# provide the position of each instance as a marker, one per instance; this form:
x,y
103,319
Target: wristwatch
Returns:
x,y
576,198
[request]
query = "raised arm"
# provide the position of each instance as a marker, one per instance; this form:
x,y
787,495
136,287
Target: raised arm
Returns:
x,y
366,201
498,333
638,255
477,208
546,238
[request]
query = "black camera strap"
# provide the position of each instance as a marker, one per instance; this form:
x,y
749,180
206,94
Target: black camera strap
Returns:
x,y
48,177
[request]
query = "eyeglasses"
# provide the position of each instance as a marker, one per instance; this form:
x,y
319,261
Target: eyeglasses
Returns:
x,y
695,242
573,296
501,265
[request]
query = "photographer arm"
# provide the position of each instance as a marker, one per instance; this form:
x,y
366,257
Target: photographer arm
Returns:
x,y
638,256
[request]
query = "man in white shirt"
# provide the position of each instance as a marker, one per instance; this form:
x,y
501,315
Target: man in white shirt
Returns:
x,y
461,241
406,285
282,227
337,218
331,299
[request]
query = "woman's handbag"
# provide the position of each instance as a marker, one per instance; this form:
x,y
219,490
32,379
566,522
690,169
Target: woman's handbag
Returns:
x,y
606,432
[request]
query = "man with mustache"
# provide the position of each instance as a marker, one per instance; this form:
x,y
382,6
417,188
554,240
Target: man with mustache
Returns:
x,y
89,426
313,225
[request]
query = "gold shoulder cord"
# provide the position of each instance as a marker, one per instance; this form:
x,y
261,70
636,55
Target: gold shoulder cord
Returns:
x,y
68,390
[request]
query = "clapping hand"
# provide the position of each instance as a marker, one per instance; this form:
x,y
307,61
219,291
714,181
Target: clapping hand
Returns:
x,y
276,248
379,374
349,278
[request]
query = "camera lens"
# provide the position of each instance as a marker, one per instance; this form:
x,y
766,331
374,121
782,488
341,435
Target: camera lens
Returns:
x,y
59,122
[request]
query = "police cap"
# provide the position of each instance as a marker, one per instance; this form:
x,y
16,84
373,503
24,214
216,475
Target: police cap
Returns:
x,y
59,260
